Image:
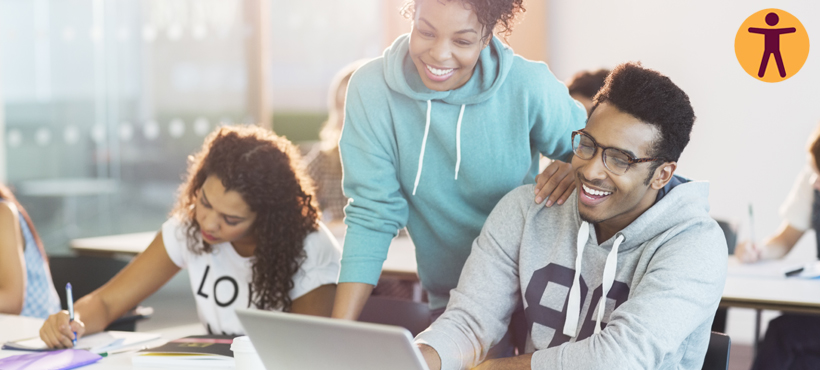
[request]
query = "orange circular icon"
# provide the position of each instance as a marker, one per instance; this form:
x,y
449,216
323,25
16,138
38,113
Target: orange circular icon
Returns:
x,y
772,45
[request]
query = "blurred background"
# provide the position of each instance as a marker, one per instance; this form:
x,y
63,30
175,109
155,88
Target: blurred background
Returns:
x,y
103,100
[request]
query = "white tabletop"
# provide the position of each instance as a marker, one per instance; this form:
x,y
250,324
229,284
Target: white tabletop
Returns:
x,y
401,257
18,327
132,244
764,286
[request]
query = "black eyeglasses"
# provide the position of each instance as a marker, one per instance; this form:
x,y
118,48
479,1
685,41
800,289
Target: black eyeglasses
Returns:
x,y
615,160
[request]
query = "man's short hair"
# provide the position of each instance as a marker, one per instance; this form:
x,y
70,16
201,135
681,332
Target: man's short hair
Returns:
x,y
654,99
587,83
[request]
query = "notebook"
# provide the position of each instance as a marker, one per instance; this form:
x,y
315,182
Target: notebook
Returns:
x,y
292,341
97,343
199,351
51,360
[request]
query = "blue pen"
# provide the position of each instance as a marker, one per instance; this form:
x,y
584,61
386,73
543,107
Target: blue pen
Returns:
x,y
70,300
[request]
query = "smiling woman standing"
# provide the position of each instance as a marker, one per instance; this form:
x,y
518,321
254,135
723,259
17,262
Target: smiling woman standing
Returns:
x,y
436,131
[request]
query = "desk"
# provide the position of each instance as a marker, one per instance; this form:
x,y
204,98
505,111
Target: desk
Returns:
x,y
18,327
400,262
128,244
763,287
790,295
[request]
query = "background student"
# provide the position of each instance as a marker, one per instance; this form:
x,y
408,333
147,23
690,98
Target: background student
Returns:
x,y
26,287
323,162
245,226
325,168
436,132
799,212
585,84
791,340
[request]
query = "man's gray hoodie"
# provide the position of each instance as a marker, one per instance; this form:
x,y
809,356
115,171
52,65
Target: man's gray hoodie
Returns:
x,y
663,284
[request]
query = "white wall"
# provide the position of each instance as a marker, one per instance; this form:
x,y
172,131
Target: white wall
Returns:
x,y
749,137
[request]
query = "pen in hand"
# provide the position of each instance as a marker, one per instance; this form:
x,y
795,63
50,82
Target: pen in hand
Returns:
x,y
752,242
70,301
751,224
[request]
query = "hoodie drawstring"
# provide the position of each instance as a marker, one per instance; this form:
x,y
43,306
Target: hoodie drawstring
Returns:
x,y
574,304
609,278
423,146
458,140
424,143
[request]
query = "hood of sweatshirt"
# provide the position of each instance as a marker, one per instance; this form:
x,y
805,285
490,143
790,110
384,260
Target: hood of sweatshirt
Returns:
x,y
679,204
491,70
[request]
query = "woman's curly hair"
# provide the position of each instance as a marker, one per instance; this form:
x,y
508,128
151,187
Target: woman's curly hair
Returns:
x,y
497,16
266,171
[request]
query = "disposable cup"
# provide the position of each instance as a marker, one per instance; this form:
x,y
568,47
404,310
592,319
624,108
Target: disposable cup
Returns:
x,y
244,354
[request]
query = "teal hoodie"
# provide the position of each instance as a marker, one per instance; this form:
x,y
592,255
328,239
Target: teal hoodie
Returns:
x,y
437,162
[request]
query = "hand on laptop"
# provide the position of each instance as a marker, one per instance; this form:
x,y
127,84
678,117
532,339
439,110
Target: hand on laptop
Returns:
x,y
430,357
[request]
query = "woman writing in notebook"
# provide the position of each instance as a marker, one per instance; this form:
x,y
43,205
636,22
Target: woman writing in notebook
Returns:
x,y
26,288
245,226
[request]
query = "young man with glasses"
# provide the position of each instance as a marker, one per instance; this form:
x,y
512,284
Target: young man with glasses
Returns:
x,y
633,232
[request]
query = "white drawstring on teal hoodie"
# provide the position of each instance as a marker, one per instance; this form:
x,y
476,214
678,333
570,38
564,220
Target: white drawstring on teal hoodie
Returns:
x,y
437,162
424,143
610,267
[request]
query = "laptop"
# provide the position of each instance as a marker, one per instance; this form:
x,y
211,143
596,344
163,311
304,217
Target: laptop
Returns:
x,y
293,341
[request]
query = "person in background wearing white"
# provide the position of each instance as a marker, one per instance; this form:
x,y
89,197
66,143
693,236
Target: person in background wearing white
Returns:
x,y
791,340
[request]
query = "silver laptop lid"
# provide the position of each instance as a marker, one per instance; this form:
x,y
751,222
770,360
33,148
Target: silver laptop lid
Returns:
x,y
293,341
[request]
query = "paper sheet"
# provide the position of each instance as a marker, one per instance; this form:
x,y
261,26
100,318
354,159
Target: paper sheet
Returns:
x,y
97,343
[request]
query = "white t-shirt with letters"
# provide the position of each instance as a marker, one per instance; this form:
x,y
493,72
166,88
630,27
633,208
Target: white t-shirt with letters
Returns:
x,y
222,280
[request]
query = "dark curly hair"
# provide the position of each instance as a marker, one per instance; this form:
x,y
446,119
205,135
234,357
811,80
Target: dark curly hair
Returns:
x,y
587,83
654,99
266,171
497,16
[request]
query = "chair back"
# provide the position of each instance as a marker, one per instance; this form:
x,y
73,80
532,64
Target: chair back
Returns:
x,y
413,316
86,274
730,233
717,356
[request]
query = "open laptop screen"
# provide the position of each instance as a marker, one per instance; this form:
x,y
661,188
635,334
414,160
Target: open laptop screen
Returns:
x,y
293,341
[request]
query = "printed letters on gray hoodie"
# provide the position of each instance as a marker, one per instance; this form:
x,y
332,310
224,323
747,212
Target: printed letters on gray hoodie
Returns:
x,y
668,279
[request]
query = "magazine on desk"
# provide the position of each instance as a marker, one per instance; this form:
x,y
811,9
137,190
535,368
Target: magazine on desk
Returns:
x,y
101,342
201,351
